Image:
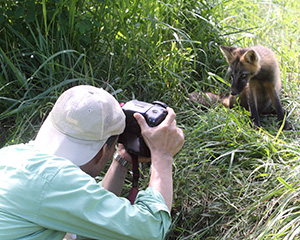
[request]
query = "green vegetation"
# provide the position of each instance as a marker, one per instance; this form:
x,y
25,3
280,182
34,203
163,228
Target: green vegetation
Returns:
x,y
230,181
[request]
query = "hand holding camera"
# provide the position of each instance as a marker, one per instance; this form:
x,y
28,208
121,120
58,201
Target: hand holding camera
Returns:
x,y
151,130
166,139
150,125
132,137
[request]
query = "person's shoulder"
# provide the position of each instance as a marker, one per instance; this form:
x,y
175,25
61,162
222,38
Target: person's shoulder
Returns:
x,y
27,159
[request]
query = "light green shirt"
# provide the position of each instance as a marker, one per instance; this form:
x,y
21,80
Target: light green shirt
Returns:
x,y
43,197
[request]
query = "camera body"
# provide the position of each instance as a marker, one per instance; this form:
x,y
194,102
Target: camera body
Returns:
x,y
131,138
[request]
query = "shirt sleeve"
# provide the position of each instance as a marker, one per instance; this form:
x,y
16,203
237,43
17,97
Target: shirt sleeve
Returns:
x,y
73,202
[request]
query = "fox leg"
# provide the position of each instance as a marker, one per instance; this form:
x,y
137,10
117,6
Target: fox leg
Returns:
x,y
252,103
278,107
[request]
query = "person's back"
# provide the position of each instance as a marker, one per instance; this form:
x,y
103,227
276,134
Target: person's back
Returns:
x,y
24,175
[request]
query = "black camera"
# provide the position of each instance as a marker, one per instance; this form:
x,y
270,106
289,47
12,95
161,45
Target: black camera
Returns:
x,y
131,138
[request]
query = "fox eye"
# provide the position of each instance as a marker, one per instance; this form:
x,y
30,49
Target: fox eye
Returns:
x,y
244,75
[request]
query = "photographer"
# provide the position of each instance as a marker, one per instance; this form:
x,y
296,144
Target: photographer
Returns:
x,y
47,186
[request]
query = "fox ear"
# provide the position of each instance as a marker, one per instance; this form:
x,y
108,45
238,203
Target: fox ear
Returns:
x,y
251,57
227,51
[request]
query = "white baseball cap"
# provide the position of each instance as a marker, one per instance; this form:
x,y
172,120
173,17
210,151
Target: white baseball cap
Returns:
x,y
79,124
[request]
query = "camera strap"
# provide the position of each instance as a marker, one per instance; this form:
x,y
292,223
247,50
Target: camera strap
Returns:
x,y
135,179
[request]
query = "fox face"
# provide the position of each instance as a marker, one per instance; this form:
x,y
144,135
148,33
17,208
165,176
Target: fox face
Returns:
x,y
243,65
239,80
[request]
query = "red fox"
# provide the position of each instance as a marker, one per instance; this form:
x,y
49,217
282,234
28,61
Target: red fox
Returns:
x,y
255,77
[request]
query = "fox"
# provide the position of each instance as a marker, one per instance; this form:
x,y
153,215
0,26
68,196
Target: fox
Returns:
x,y
255,76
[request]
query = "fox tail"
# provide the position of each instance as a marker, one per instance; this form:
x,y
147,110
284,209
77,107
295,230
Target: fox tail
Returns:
x,y
208,99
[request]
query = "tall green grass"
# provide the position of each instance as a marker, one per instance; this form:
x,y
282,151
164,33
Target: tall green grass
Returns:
x,y
129,47
230,181
238,183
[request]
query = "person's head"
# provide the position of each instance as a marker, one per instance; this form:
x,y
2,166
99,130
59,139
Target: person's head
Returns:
x,y
83,121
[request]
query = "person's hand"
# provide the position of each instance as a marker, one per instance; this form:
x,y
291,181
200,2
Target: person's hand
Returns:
x,y
122,151
166,139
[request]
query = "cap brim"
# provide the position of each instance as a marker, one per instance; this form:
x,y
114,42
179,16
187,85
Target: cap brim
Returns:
x,y
51,141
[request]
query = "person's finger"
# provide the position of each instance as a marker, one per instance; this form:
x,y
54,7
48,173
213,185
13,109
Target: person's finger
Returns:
x,y
170,116
122,151
141,120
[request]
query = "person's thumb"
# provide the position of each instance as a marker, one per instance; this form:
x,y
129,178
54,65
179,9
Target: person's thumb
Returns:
x,y
141,120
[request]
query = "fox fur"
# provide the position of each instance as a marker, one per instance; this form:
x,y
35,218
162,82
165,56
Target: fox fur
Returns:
x,y
255,76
